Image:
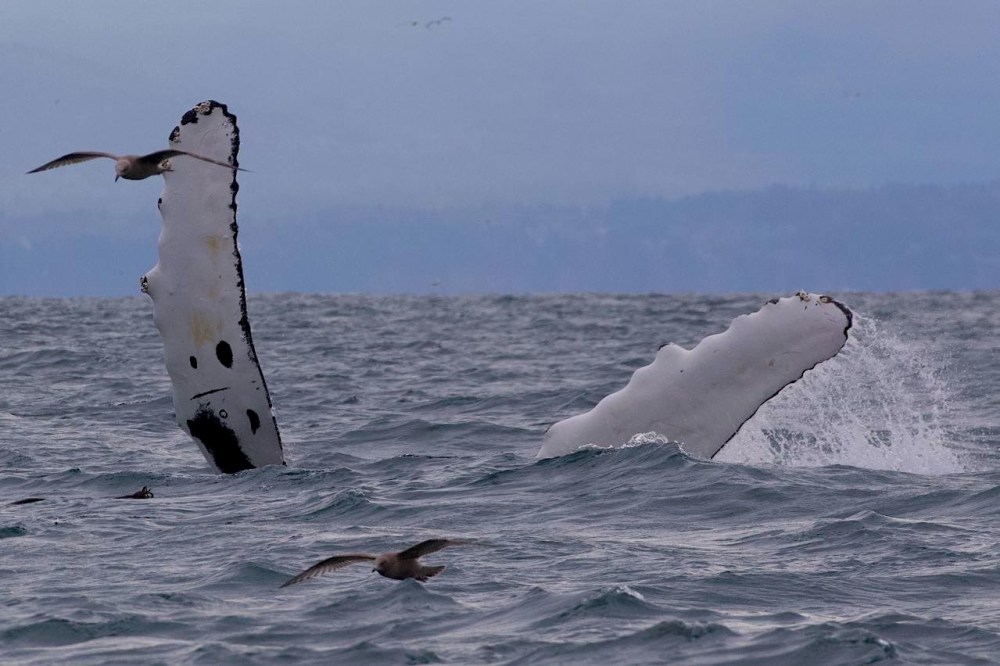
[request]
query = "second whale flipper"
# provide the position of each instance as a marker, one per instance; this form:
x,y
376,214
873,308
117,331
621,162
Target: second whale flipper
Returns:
x,y
702,396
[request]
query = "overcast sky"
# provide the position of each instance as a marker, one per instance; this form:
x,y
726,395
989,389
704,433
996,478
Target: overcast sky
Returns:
x,y
463,103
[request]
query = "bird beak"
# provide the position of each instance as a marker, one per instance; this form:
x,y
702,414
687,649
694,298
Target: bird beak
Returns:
x,y
116,178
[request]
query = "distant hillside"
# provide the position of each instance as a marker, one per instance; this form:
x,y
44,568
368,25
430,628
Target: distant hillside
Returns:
x,y
776,240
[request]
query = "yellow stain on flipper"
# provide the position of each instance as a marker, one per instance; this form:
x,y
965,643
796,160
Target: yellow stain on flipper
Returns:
x,y
204,328
215,244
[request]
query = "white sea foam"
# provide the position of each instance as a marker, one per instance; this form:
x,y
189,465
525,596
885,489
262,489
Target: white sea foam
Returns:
x,y
625,589
880,404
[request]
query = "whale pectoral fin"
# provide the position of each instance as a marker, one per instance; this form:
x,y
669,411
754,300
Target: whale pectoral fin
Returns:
x,y
703,396
199,299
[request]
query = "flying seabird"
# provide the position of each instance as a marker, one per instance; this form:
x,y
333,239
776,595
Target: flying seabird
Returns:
x,y
132,167
401,565
440,21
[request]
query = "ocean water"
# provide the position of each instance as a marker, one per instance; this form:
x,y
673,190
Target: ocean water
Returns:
x,y
855,519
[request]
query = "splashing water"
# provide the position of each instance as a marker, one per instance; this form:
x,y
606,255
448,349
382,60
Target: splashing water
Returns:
x,y
882,403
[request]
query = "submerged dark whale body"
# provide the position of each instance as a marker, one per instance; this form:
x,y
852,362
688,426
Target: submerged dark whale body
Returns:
x,y
142,493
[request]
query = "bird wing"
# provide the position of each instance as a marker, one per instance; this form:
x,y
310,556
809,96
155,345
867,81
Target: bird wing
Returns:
x,y
428,572
329,564
160,155
426,547
72,158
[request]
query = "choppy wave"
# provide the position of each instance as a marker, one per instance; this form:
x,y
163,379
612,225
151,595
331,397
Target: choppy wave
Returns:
x,y
852,520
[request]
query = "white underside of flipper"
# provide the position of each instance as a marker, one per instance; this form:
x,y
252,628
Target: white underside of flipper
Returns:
x,y
701,397
199,302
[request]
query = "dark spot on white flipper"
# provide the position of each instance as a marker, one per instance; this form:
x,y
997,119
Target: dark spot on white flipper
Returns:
x,y
209,392
220,442
254,421
224,353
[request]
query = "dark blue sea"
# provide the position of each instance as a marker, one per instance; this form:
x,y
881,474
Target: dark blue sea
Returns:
x,y
855,519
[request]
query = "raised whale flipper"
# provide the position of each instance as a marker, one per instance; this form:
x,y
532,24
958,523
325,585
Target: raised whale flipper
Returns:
x,y
199,303
701,397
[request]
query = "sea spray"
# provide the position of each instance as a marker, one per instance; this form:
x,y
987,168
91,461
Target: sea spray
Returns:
x,y
879,404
